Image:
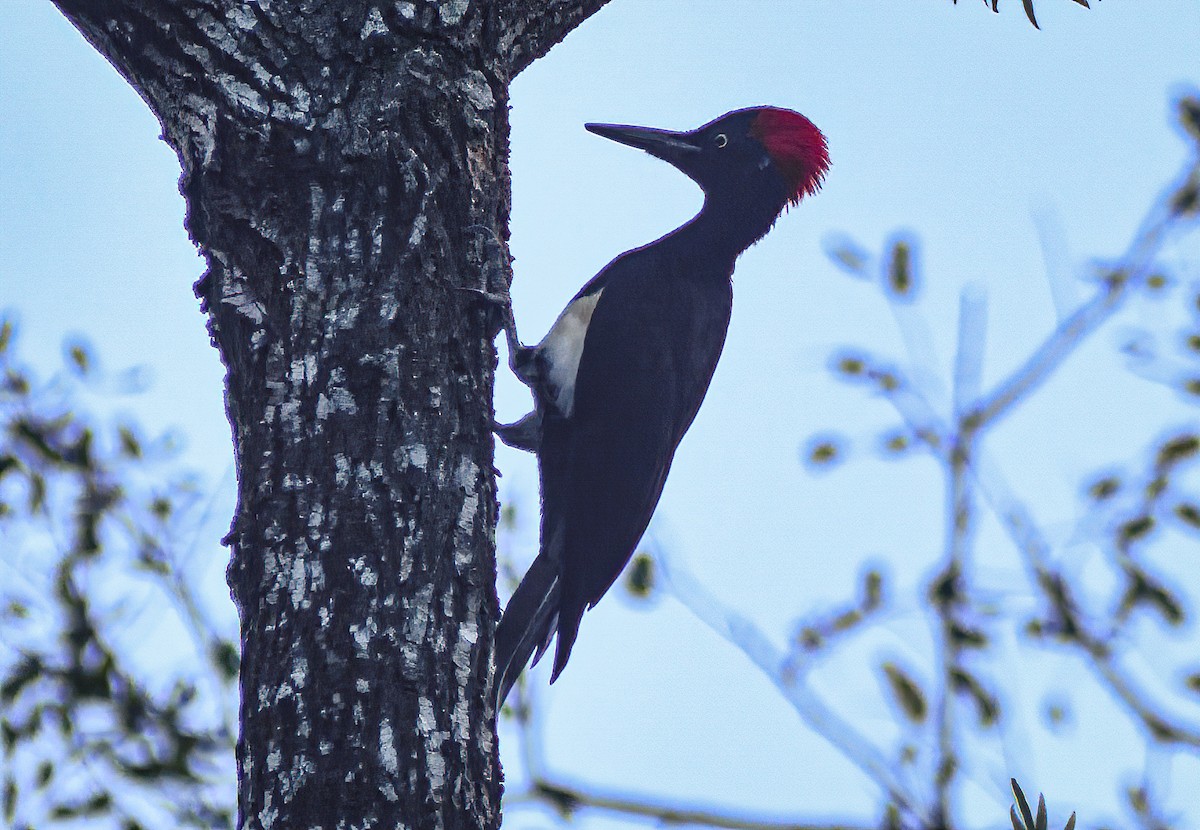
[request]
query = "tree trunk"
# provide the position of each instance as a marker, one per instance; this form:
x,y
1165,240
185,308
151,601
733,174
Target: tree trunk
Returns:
x,y
345,171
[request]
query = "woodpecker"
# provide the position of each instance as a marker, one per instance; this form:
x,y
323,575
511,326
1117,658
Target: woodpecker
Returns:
x,y
622,372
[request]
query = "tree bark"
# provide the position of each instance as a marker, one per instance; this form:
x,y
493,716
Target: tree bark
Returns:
x,y
345,172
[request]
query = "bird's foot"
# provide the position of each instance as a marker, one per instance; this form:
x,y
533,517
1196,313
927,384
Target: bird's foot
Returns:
x,y
496,271
525,434
520,357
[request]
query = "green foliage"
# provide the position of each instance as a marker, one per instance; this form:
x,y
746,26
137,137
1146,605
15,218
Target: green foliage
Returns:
x,y
640,576
1028,5
85,736
901,279
906,692
1026,819
824,451
1133,515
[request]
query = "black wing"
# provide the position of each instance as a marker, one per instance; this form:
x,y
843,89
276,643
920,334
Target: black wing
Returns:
x,y
647,361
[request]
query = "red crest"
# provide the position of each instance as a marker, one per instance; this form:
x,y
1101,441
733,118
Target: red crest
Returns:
x,y
796,147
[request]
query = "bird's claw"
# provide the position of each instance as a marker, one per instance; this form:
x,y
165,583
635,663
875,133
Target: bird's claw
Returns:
x,y
525,434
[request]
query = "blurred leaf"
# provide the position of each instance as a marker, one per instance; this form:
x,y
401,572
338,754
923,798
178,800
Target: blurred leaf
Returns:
x,y
27,670
1104,488
1135,529
987,707
16,383
901,274
508,516
1157,282
151,559
6,333
895,443
9,735
872,590
1189,514
10,798
8,462
846,620
80,357
1189,115
130,445
1193,682
966,637
565,802
850,365
946,588
809,638
45,772
1056,713
94,806
640,577
1177,449
1156,487
847,255
37,436
1187,199
1138,800
226,658
906,693
824,451
1142,589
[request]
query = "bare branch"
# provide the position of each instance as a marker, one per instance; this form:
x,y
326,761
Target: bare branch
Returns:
x,y
1067,337
531,28
951,592
968,358
745,635
568,799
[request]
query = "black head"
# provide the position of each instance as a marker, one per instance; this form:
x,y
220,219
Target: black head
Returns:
x,y
766,151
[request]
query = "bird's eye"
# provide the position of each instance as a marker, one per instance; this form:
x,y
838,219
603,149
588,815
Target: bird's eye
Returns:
x,y
720,140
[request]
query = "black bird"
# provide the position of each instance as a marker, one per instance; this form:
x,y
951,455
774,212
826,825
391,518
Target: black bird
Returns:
x,y
621,374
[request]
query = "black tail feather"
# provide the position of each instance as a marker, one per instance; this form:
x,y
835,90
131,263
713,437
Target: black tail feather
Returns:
x,y
568,630
528,623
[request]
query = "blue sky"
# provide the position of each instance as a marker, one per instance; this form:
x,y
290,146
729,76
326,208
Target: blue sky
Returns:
x,y
1011,153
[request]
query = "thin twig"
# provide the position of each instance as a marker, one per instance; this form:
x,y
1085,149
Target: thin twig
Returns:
x,y
952,589
968,356
1035,549
746,636
1066,338
568,799
1032,543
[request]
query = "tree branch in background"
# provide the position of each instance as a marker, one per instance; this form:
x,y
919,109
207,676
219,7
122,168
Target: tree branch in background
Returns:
x,y
957,441
89,513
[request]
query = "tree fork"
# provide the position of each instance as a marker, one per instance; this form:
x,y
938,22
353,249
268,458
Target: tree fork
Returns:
x,y
345,173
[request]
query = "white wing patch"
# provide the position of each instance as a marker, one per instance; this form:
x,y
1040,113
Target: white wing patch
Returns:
x,y
562,347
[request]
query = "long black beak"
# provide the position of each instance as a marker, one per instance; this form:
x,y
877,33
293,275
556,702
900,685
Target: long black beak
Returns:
x,y
664,144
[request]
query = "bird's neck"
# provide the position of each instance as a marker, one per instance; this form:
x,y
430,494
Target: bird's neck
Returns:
x,y
725,227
